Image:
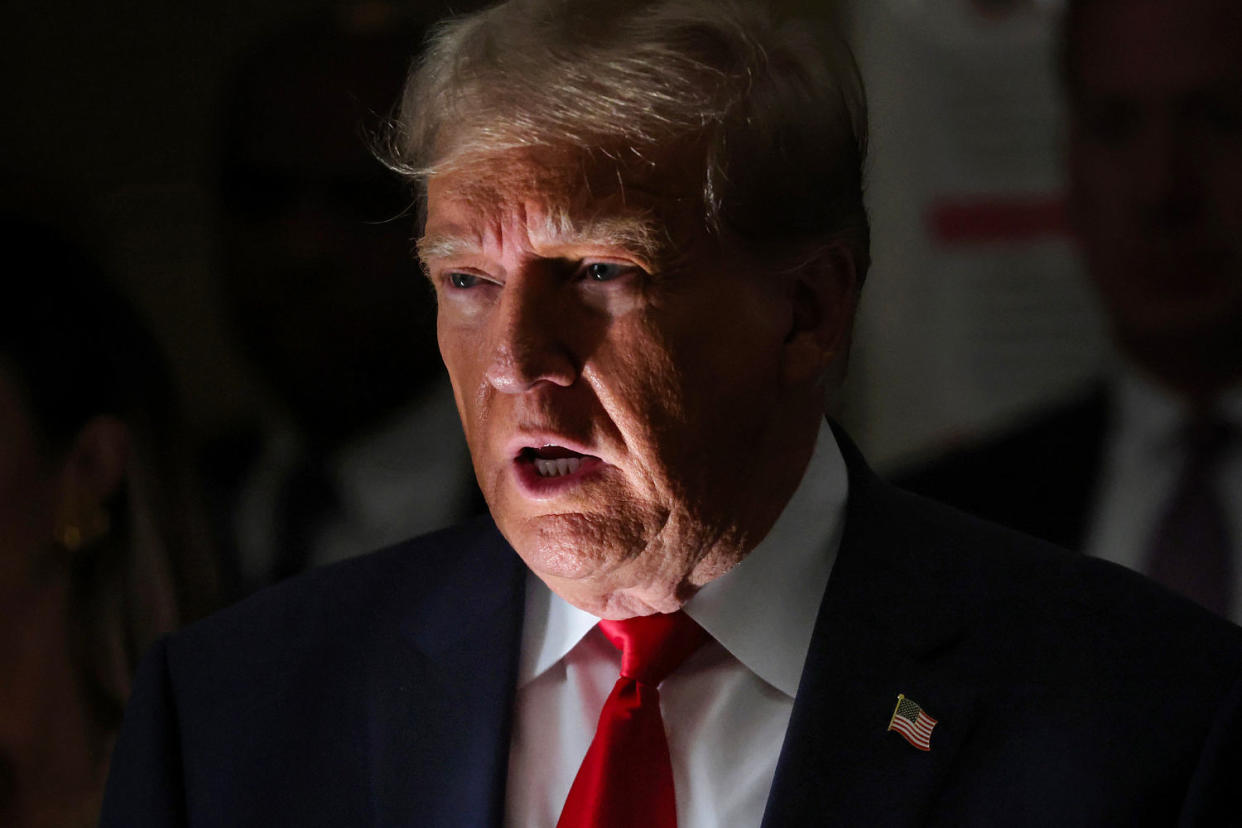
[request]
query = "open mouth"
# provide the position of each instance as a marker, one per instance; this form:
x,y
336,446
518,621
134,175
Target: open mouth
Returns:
x,y
554,461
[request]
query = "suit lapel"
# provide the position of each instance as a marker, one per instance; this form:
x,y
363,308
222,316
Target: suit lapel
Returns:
x,y
884,628
441,693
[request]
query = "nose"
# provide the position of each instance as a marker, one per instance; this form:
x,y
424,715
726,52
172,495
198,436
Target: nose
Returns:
x,y
528,339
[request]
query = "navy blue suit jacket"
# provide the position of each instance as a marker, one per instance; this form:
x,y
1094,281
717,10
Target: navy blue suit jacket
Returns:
x,y
1038,477
378,692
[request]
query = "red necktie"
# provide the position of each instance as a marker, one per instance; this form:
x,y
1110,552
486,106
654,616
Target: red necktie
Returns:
x,y
626,779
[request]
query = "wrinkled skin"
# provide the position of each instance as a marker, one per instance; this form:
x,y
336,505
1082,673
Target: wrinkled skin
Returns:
x,y
687,370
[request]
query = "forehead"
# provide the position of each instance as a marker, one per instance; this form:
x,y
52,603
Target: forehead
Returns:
x,y
492,185
560,193
1159,46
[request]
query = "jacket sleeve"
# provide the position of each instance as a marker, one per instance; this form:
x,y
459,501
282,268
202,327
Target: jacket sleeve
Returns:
x,y
145,781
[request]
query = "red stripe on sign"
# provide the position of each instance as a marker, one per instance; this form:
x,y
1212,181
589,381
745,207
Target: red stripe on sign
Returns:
x,y
989,219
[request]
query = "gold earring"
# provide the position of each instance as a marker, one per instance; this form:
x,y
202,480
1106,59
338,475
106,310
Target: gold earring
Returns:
x,y
75,531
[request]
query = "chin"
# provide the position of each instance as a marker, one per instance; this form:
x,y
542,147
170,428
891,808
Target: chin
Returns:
x,y
589,560
620,606
582,541
615,602
570,546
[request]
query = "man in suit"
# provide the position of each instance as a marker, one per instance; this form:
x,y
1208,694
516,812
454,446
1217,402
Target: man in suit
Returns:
x,y
1146,470
645,230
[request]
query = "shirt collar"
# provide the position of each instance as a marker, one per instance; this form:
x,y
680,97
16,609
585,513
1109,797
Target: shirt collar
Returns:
x,y
1149,415
781,582
764,610
551,627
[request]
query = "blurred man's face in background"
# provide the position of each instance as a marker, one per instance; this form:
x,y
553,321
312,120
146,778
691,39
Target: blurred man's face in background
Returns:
x,y
1156,169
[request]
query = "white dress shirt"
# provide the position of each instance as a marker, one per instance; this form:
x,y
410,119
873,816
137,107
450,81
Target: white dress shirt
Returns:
x,y
1143,459
725,709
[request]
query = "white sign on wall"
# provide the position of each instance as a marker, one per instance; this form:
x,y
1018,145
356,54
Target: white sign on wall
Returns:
x,y
975,308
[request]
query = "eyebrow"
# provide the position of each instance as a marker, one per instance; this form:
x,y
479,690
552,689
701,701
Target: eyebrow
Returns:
x,y
640,235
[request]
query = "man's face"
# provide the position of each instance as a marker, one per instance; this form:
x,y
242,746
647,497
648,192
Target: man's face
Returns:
x,y
1156,167
619,378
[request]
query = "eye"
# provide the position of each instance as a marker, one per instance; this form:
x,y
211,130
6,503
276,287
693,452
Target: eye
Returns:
x,y
606,271
463,281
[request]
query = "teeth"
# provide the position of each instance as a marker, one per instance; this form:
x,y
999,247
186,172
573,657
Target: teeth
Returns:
x,y
557,468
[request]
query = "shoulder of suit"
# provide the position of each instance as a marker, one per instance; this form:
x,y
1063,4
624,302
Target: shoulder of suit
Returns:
x,y
1037,602
339,602
1048,435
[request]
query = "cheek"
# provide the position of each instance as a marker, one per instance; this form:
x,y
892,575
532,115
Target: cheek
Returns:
x,y
683,400
462,356
1099,174
461,339
30,487
1098,196
639,377
27,520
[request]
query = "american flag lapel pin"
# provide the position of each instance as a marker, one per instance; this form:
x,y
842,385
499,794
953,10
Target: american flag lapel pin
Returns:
x,y
912,723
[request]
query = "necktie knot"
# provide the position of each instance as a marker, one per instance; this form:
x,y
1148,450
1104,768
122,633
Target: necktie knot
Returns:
x,y
653,646
626,778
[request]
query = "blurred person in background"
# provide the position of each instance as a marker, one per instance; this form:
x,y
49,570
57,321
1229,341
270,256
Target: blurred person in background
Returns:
x,y
325,296
1146,470
645,226
100,550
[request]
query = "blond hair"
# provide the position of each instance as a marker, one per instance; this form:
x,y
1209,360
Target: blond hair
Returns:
x,y
777,111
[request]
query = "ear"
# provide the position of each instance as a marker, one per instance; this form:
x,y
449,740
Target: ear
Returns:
x,y
92,472
95,466
100,455
824,293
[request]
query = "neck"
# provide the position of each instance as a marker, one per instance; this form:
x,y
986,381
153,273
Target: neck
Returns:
x,y
1196,371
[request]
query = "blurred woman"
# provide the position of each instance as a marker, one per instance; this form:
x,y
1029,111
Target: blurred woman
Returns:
x,y
100,546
